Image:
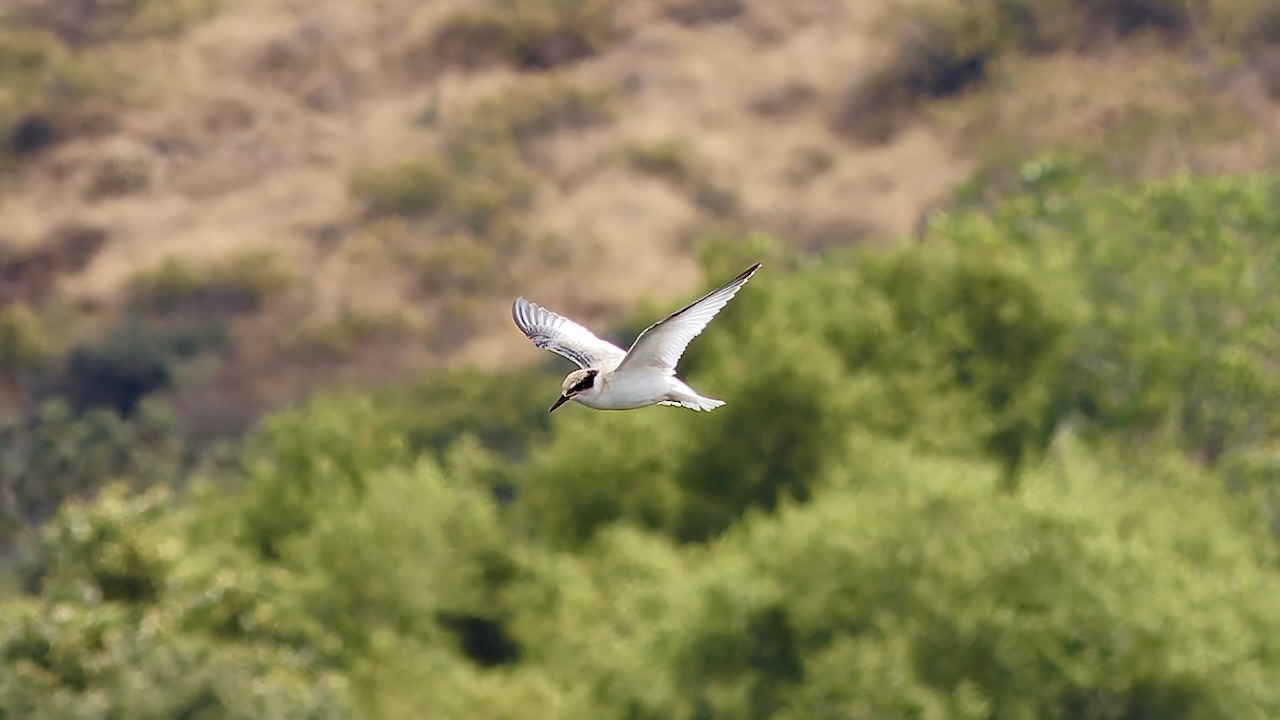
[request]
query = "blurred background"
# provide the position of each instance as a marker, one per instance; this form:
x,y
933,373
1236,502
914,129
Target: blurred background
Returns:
x,y
1001,438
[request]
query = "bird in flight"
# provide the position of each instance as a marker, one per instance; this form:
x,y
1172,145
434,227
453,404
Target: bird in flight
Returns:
x,y
610,379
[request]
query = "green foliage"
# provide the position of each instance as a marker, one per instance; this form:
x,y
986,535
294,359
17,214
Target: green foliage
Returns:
x,y
59,454
451,566
242,281
115,630
1182,308
1057,604
440,409
529,34
963,478
23,342
606,621
670,159
407,188
1039,27
400,569
1257,25
52,77
954,352
112,550
107,22
323,450
27,59
491,147
164,17
73,662
347,332
912,587
476,184
538,108
455,219
573,486
676,162
402,681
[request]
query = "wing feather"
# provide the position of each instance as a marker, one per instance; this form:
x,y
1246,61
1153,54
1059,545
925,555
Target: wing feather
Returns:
x,y
662,344
564,337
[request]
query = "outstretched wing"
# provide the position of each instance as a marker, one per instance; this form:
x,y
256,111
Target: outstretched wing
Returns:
x,y
564,337
661,345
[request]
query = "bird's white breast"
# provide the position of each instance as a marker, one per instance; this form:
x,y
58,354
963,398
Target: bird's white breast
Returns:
x,y
627,391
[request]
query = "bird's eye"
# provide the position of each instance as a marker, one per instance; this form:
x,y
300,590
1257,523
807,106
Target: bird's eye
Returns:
x,y
585,383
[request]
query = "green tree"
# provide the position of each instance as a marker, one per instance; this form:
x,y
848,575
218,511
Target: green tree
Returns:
x,y
1182,305
120,627
839,541
918,590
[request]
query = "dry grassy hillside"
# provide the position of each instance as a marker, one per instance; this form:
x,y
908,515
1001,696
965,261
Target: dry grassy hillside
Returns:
x,y
329,190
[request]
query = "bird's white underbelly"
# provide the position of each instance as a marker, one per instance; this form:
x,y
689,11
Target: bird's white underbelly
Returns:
x,y
629,393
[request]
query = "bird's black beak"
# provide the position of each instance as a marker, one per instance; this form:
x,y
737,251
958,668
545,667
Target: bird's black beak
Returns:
x,y
563,399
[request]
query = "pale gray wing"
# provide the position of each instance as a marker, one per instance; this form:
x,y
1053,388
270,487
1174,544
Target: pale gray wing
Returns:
x,y
564,337
661,345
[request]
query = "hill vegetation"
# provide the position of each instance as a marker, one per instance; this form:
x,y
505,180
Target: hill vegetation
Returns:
x,y
1000,439
952,480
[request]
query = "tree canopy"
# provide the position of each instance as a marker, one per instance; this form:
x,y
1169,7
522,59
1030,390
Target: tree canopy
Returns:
x,y
1025,468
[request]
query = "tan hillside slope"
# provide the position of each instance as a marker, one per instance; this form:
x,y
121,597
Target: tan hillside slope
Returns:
x,y
355,190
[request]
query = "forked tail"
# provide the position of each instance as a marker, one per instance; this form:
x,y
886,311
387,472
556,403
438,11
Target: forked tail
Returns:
x,y
693,401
